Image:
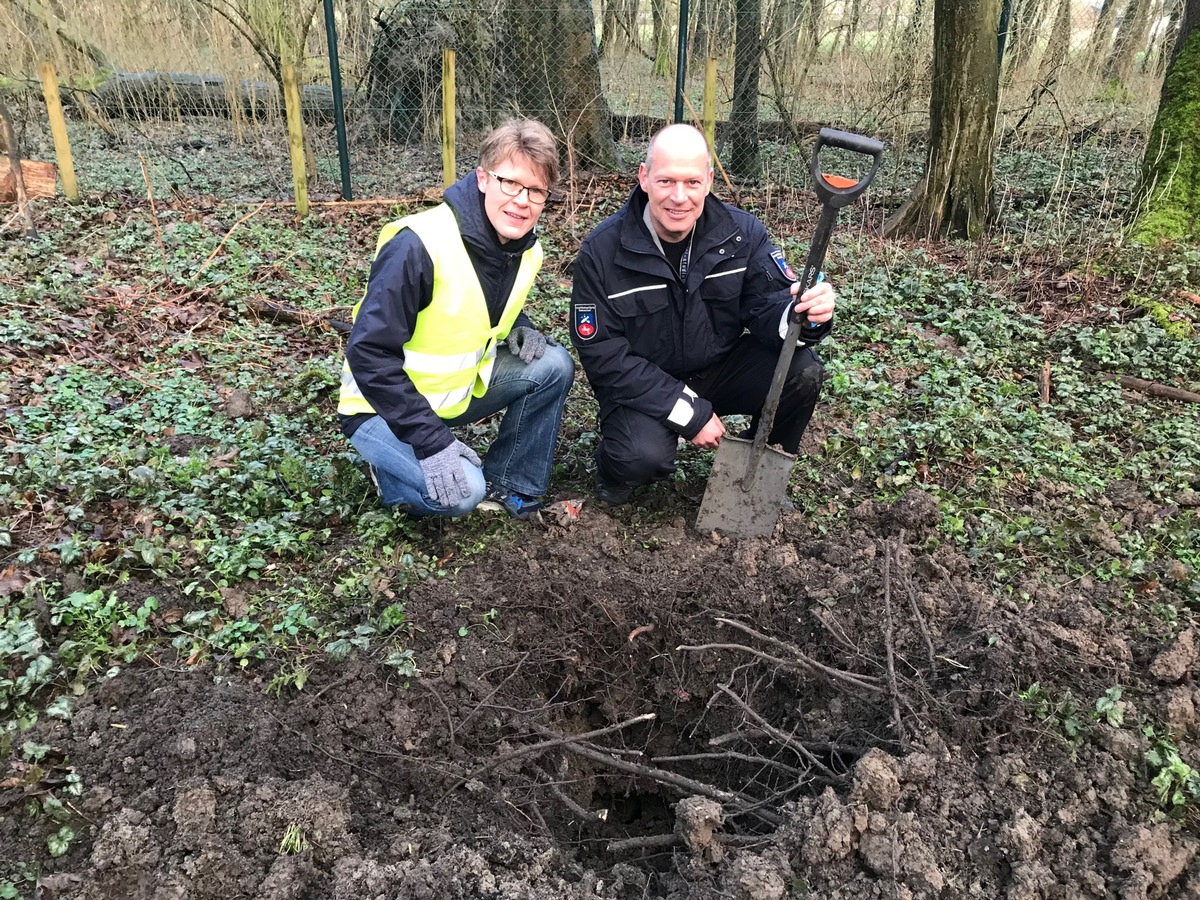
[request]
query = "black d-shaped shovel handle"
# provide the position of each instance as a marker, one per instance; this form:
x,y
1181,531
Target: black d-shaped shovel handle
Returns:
x,y
834,192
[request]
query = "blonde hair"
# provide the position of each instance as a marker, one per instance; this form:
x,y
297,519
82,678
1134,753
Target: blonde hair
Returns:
x,y
524,137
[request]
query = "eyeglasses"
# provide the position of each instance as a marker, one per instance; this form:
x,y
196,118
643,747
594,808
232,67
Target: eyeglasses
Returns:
x,y
537,196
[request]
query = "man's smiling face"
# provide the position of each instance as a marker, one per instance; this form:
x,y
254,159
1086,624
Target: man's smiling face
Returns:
x,y
512,217
676,178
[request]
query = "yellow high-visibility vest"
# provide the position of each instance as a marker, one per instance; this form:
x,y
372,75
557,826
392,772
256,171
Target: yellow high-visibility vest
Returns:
x,y
452,351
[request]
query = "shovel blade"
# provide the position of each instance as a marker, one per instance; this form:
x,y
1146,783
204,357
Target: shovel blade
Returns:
x,y
743,502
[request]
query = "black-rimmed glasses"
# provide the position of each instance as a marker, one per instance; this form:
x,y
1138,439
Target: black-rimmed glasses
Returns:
x,y
513,188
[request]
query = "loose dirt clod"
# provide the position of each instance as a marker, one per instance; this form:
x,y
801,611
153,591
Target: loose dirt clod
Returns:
x,y
696,821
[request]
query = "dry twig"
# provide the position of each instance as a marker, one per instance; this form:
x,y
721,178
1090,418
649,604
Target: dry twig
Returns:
x,y
889,550
556,741
782,736
213,255
801,659
732,800
162,248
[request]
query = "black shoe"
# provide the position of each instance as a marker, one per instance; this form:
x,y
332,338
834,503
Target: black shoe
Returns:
x,y
612,493
516,505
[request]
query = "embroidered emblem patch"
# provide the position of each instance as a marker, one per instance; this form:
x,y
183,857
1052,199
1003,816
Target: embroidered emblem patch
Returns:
x,y
777,255
585,322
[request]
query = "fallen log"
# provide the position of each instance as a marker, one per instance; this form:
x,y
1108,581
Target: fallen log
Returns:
x,y
277,312
1154,389
140,95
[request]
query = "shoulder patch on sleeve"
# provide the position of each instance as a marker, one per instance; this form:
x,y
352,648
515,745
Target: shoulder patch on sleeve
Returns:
x,y
777,256
585,321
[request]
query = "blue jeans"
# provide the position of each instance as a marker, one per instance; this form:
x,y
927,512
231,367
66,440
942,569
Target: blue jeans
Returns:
x,y
517,461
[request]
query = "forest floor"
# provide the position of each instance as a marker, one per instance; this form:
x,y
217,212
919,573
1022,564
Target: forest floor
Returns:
x,y
964,665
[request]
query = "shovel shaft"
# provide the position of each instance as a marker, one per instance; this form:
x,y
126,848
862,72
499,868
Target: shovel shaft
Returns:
x,y
812,268
834,193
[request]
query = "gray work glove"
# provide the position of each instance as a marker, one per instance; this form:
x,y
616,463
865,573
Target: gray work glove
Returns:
x,y
527,343
445,480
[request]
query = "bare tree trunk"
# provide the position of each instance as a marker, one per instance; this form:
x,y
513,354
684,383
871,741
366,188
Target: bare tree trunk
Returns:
x,y
743,115
1023,31
662,37
814,13
1102,34
1170,186
14,159
851,26
560,77
620,28
906,63
955,198
1160,38
1131,35
700,42
1056,49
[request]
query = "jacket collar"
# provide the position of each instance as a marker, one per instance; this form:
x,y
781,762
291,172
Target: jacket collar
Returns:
x,y
466,200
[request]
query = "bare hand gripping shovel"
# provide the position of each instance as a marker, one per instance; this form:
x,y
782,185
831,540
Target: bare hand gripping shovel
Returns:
x,y
749,479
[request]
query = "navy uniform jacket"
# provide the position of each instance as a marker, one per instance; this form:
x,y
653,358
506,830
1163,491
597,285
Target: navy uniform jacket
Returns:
x,y
641,331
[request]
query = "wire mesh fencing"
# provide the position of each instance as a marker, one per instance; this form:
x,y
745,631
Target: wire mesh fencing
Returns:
x,y
184,95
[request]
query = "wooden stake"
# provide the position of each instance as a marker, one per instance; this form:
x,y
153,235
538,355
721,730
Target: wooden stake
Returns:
x,y
710,105
14,157
295,126
449,170
729,184
58,128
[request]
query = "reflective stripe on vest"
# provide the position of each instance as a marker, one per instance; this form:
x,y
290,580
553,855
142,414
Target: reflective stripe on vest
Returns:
x,y
452,352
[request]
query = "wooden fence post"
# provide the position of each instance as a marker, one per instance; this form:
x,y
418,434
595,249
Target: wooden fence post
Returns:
x,y
295,127
449,170
58,128
710,104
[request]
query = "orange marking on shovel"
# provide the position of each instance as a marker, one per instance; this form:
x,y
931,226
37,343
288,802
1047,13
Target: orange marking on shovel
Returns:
x,y
838,181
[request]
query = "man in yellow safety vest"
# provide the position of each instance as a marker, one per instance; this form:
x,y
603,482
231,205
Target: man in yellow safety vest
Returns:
x,y
440,339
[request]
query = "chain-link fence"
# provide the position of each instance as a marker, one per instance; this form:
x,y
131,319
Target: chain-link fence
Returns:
x,y
185,93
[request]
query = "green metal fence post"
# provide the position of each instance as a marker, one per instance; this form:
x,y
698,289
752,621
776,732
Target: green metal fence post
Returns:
x,y
681,60
339,111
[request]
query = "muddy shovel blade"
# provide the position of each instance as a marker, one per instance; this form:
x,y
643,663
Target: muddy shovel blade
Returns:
x,y
743,501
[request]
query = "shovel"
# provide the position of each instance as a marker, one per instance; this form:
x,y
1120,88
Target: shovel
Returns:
x,y
749,479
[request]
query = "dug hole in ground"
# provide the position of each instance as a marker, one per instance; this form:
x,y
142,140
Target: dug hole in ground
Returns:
x,y
833,716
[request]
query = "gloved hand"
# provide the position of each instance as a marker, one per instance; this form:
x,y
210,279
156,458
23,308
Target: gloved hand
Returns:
x,y
527,343
445,480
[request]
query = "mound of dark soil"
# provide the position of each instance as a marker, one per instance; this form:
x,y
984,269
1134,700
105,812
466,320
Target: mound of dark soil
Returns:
x,y
646,712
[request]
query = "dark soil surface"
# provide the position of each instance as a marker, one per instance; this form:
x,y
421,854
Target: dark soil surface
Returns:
x,y
650,712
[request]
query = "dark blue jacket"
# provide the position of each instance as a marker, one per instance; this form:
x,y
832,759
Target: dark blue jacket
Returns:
x,y
641,331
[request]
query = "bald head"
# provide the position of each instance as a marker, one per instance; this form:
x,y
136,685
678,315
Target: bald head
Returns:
x,y
676,177
677,142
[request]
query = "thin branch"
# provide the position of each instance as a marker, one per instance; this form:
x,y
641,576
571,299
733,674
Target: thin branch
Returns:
x,y
213,255
782,736
557,741
24,207
1154,389
866,683
162,248
588,815
663,841
731,799
517,668
887,641
732,754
